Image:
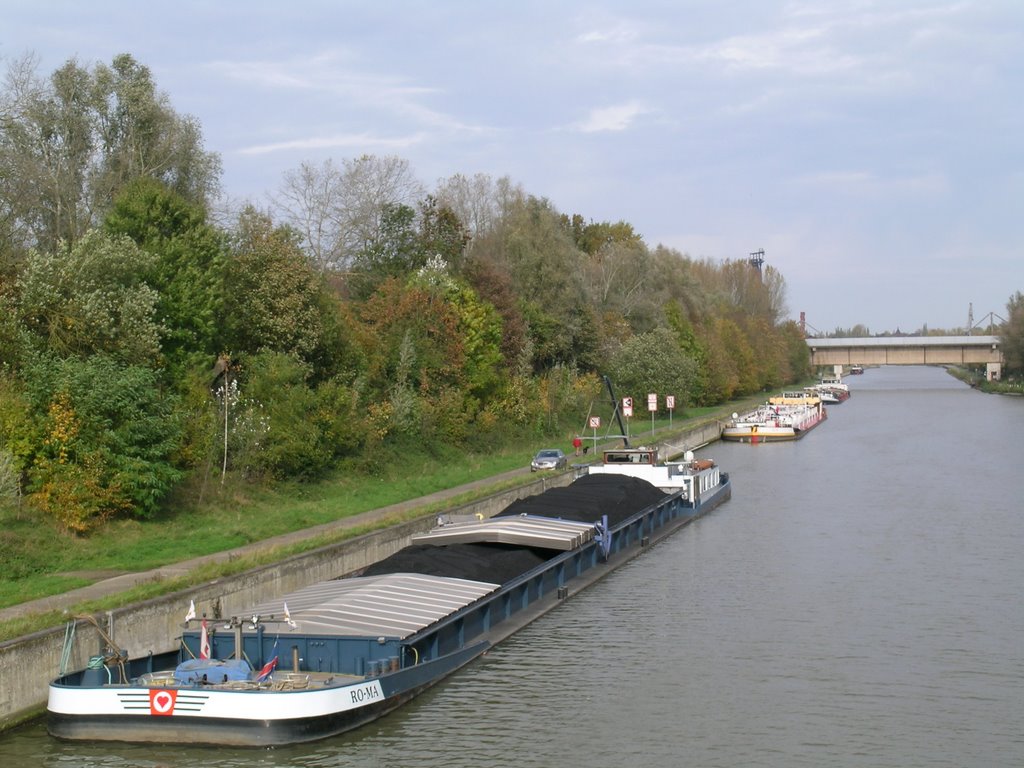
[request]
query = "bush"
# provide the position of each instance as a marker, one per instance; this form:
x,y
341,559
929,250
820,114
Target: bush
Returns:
x,y
10,486
107,437
281,427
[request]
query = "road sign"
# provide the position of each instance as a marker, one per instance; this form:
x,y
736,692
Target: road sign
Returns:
x,y
595,422
670,402
652,402
627,406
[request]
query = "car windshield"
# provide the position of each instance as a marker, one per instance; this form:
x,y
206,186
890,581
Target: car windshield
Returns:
x,y
547,455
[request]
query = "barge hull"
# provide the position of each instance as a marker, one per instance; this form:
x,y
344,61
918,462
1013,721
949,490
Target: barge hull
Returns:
x,y
398,688
246,717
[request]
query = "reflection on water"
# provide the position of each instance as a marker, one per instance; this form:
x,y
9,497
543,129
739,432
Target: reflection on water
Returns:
x,y
854,604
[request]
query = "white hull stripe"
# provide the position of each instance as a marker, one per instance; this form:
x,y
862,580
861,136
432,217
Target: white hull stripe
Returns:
x,y
234,705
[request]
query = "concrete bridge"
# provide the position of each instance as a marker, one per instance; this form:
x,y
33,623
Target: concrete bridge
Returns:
x,y
910,350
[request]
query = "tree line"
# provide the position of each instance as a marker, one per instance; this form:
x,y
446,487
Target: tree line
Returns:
x,y
151,340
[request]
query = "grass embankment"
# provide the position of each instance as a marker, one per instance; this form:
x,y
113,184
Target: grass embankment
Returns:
x,y
39,561
976,379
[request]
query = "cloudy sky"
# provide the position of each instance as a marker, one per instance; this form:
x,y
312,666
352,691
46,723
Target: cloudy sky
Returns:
x,y
873,149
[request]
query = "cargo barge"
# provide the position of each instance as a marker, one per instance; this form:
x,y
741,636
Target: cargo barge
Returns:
x,y
788,416
338,654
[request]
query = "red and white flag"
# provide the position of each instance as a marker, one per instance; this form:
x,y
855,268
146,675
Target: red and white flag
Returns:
x,y
264,673
204,642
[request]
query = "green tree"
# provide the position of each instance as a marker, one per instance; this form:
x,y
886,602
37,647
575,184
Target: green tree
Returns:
x,y
412,340
798,354
858,331
280,429
616,273
45,151
771,368
396,250
593,237
70,144
536,249
677,279
479,202
722,370
187,271
740,355
749,291
493,284
695,349
21,432
108,437
10,483
273,297
142,136
1012,335
479,325
653,362
341,210
441,234
90,298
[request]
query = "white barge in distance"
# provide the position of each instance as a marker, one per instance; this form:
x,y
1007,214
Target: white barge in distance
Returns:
x,y
693,477
788,416
339,654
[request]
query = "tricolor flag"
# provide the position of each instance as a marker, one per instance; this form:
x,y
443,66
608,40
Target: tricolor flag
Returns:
x,y
204,642
269,666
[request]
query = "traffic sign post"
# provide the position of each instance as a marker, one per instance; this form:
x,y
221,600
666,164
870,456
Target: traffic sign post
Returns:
x,y
652,406
670,403
627,411
595,422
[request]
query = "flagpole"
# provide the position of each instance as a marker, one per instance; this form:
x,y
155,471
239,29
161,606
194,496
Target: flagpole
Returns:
x,y
204,641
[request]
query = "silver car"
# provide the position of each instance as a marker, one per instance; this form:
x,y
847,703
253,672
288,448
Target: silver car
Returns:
x,y
549,458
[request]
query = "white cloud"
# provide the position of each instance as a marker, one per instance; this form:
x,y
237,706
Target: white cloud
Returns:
x,y
806,51
866,183
335,75
360,142
615,118
619,32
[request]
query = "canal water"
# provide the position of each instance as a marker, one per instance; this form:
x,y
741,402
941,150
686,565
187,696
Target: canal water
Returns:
x,y
856,603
